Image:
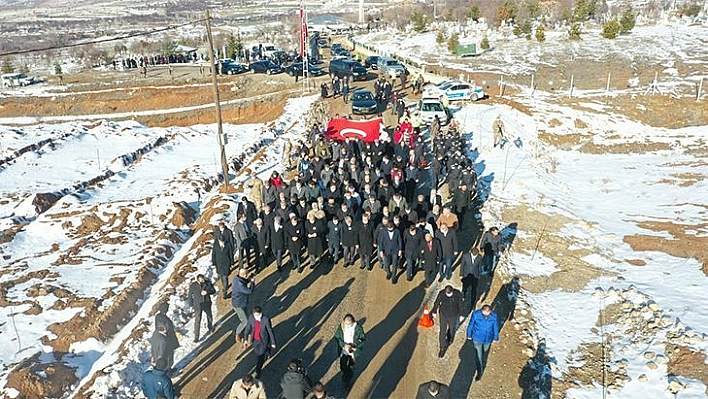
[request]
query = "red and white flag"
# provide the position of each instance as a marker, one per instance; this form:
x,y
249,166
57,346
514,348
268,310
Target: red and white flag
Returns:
x,y
303,30
341,129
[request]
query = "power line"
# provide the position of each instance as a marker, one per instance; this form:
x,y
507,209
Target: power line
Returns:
x,y
123,37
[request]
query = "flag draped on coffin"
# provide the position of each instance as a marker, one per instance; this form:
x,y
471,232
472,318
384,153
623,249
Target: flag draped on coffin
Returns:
x,y
342,129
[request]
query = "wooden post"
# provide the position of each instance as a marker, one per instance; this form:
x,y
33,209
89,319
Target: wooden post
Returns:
x,y
501,85
572,84
698,92
607,89
533,88
217,103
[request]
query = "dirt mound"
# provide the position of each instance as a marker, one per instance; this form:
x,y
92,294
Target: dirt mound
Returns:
x,y
43,201
687,362
36,380
183,215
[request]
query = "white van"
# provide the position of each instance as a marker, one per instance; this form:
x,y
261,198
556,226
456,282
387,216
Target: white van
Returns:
x,y
17,79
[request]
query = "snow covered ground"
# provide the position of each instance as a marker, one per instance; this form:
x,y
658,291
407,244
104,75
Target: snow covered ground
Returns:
x,y
605,196
96,242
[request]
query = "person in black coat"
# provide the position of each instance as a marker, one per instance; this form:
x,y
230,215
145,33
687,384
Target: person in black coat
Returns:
x,y
162,348
316,230
349,240
448,244
200,292
433,390
365,241
261,239
161,318
278,241
412,241
449,306
334,238
430,254
248,208
390,248
259,334
222,257
295,235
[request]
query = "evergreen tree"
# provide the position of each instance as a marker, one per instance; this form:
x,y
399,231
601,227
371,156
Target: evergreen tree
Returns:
x,y
541,33
440,38
484,45
610,29
420,22
57,69
7,67
575,31
627,21
231,45
474,13
453,42
506,11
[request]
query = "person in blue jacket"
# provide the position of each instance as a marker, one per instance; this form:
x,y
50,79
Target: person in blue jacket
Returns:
x,y
482,330
156,383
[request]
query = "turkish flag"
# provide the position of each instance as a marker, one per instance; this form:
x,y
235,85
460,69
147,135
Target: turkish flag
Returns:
x,y
341,129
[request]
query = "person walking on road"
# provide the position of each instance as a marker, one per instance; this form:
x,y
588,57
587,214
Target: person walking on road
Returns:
x,y
295,234
319,392
259,334
222,255
200,292
162,348
470,272
277,241
482,330
450,306
247,388
365,241
390,247
448,244
161,318
350,338
433,390
242,288
430,255
491,245
295,383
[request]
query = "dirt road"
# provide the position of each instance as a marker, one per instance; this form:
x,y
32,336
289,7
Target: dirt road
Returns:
x,y
398,355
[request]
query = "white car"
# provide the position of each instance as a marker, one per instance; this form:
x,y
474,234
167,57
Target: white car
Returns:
x,y
429,108
17,79
455,91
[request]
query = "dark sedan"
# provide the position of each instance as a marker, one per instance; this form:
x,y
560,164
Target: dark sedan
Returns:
x,y
265,66
363,103
372,61
232,68
296,69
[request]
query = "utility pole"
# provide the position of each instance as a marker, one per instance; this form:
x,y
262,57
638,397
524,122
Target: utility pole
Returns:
x,y
217,103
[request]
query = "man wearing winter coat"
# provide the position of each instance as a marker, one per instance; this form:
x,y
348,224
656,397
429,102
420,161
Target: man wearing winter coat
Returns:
x,y
222,255
482,330
470,272
450,306
334,238
316,230
295,235
162,348
247,388
365,241
156,384
350,338
491,245
349,240
278,241
200,292
448,244
255,192
259,335
261,238
412,242
390,248
433,390
242,237
295,384
161,318
430,254
242,288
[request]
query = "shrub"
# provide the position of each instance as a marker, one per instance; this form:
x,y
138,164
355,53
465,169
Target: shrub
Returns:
x,y
452,43
474,13
575,31
484,45
610,29
440,38
541,33
627,21
420,22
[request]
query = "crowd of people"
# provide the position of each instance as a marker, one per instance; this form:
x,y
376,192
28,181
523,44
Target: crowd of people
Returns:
x,y
351,203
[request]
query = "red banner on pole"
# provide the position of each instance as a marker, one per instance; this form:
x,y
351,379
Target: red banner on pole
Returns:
x,y
303,31
341,129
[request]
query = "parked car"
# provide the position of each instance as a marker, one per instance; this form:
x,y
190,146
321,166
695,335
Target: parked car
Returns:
x,y
341,53
336,47
296,69
351,68
386,65
455,91
363,103
429,108
18,79
372,61
281,57
265,66
229,67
